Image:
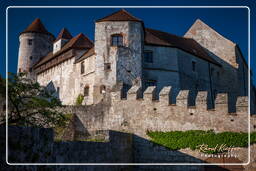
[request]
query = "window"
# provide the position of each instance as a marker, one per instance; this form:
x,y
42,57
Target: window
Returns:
x,y
29,41
102,89
117,40
86,91
148,56
193,66
107,66
58,89
4,107
150,83
19,69
212,71
30,57
82,67
218,74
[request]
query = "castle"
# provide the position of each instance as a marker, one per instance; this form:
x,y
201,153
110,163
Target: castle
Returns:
x,y
126,51
136,79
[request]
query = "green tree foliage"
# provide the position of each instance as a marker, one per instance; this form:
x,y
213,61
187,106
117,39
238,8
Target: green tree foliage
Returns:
x,y
30,104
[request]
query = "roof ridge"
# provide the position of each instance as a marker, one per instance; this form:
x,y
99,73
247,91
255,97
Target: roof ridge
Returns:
x,y
80,41
150,30
120,15
167,33
37,27
64,34
185,44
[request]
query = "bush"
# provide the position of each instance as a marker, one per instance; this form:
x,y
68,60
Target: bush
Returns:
x,y
79,99
192,139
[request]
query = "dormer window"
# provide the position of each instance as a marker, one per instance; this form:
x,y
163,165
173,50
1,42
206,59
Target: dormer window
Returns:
x,y
117,40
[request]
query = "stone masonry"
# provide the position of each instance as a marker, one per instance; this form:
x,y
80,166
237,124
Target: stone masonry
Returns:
x,y
125,50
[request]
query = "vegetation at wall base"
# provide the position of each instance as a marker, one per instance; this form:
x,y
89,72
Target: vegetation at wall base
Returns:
x,y
59,130
79,99
194,139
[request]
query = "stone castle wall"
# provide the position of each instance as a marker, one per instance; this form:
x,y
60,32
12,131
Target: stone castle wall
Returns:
x,y
137,115
61,80
36,145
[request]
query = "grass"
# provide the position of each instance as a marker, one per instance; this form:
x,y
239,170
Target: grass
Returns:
x,y
192,139
59,130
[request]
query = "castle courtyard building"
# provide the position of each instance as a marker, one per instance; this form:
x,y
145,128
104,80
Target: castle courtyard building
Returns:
x,y
126,51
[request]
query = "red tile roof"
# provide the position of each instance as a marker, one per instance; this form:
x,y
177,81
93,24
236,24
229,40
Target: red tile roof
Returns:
x,y
121,15
64,34
36,27
87,54
155,37
78,42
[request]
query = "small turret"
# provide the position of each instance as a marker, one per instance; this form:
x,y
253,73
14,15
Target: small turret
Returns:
x,y
63,37
35,42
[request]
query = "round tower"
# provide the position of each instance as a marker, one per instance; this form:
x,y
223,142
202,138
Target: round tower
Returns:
x,y
35,43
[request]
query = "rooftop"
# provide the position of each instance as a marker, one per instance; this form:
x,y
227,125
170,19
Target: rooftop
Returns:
x,y
159,38
36,27
64,34
121,15
78,42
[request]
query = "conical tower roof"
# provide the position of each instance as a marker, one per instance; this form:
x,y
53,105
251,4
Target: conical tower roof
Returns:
x,y
36,27
64,34
121,15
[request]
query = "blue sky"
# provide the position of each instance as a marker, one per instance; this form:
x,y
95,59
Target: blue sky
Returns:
x,y
231,23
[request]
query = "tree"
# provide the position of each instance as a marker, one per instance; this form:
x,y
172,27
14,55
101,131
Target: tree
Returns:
x,y
30,104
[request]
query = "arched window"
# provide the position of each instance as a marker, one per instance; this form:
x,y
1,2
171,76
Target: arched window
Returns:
x,y
102,89
117,40
86,91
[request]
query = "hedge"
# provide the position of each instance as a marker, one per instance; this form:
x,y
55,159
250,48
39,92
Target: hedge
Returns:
x,y
192,139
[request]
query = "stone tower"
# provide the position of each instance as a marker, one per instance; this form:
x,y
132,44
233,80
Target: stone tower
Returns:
x,y
118,48
35,42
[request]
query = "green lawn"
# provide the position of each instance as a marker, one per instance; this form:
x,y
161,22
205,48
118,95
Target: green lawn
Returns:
x,y
192,139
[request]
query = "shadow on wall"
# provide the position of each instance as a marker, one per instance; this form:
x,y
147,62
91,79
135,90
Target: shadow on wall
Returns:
x,y
226,84
53,90
36,145
189,97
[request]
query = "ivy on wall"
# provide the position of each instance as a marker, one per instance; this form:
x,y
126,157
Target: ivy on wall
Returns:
x,y
209,141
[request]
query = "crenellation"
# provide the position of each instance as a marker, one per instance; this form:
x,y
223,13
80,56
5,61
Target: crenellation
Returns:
x,y
182,98
242,104
135,92
201,100
181,77
150,93
165,95
221,103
